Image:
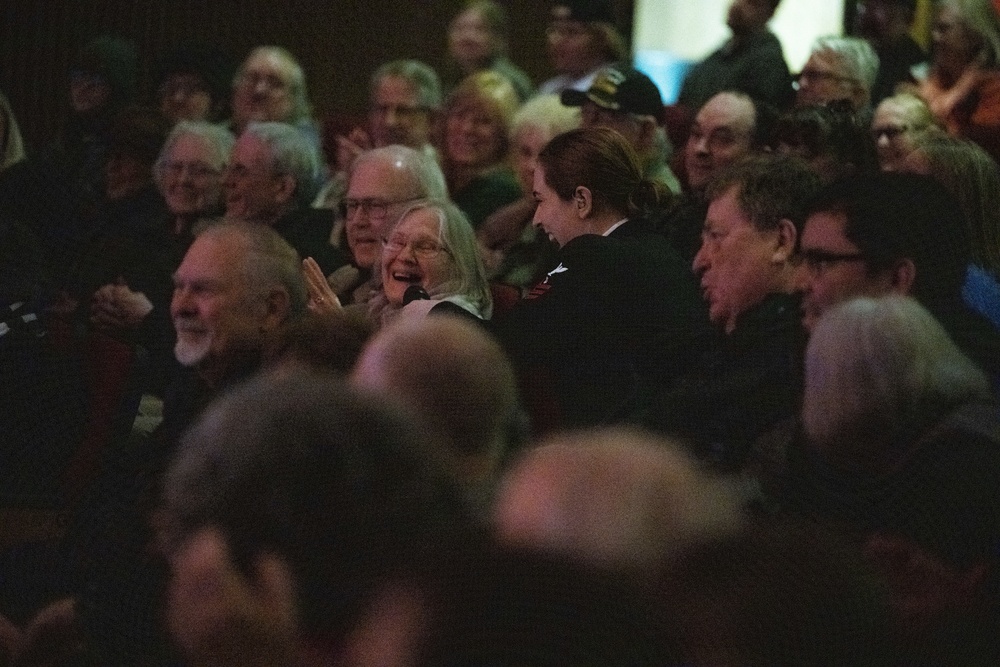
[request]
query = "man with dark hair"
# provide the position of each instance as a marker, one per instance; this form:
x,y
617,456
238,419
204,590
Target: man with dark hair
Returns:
x,y
895,233
886,25
751,60
753,378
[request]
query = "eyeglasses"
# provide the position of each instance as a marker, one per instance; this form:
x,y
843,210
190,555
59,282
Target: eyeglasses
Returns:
x,y
421,248
197,170
818,261
377,209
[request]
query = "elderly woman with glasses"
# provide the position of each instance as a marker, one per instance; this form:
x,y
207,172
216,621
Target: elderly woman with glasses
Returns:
x,y
429,263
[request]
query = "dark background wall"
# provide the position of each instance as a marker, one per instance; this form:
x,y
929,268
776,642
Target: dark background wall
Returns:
x,y
339,42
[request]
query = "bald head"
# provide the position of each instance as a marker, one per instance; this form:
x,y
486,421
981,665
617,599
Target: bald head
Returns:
x,y
450,372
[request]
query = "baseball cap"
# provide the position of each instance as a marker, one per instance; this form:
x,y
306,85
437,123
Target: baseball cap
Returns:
x,y
620,88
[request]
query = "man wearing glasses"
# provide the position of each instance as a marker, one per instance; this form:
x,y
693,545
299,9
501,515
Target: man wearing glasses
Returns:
x,y
892,233
839,68
381,183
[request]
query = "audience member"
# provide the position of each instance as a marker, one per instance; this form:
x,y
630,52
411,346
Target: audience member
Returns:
x,y
970,174
432,247
188,173
456,380
580,40
886,25
839,68
381,183
514,251
127,241
626,100
751,61
612,497
729,126
11,143
830,137
272,179
58,190
900,448
429,263
404,99
477,40
327,342
962,87
896,125
752,379
620,313
293,514
889,233
270,87
193,82
475,145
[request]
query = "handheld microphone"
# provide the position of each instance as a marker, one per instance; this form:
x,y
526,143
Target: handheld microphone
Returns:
x,y
415,293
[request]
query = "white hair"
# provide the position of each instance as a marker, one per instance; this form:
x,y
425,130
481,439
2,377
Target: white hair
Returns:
x,y
877,370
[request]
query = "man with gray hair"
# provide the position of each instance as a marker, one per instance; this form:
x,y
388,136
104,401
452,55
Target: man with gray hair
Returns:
x,y
380,184
271,179
838,68
404,97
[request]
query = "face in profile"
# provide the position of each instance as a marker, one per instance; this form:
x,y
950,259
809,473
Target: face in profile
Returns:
x,y
214,311
474,134
559,219
254,192
264,90
824,79
414,254
833,268
189,182
736,261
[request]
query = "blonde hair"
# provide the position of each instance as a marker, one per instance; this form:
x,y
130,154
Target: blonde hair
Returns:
x,y
982,19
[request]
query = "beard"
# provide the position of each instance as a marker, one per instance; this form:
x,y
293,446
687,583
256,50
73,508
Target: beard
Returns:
x,y
192,348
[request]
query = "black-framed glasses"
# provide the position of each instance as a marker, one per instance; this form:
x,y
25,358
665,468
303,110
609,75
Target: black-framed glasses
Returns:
x,y
818,261
817,75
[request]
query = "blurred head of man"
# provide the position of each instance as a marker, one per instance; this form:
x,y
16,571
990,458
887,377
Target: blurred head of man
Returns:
x,y
269,86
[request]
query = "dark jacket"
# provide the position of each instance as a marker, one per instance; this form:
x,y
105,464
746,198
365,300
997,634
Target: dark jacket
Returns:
x,y
618,317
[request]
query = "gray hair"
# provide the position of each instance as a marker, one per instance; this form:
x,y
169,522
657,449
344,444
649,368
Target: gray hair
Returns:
x,y
293,154
546,113
219,140
301,109
423,170
468,279
269,261
420,75
856,54
876,369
